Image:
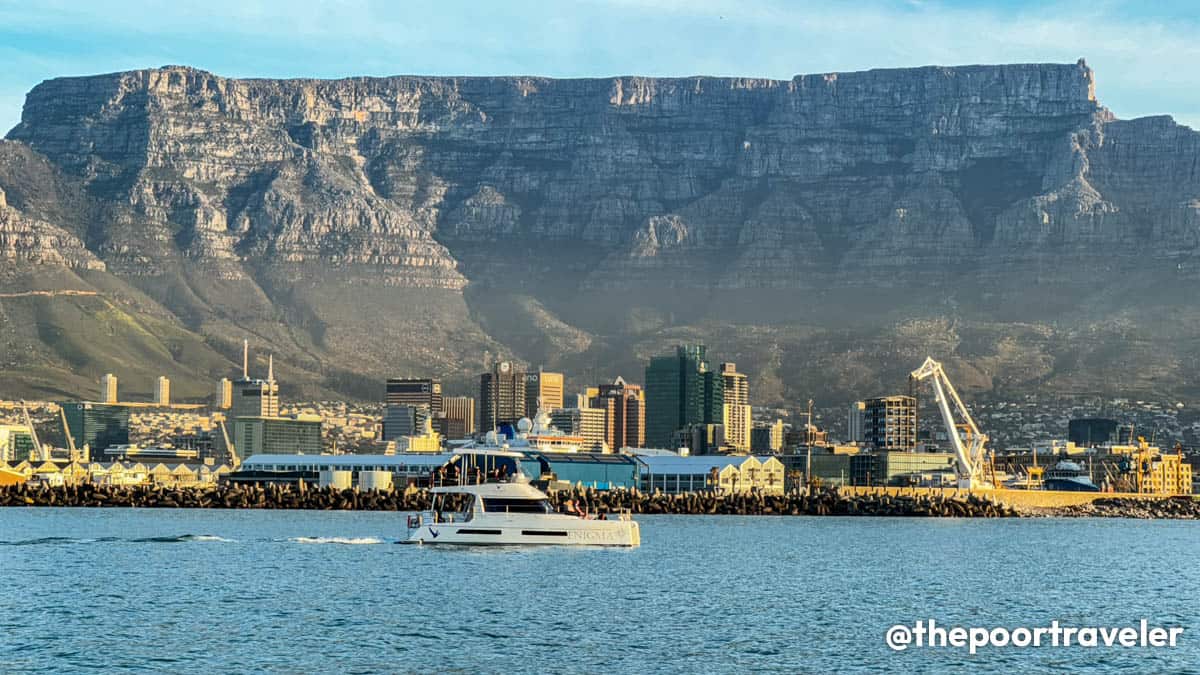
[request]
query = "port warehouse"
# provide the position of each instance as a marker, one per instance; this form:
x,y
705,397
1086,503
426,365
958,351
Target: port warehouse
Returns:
x,y
671,473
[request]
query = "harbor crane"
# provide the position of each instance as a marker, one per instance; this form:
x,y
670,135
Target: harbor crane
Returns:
x,y
971,454
234,460
62,414
41,454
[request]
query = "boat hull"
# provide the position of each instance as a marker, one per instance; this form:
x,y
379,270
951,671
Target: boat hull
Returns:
x,y
580,532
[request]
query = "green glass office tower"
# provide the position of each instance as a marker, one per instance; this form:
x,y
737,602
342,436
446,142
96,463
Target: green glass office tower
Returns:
x,y
97,425
681,390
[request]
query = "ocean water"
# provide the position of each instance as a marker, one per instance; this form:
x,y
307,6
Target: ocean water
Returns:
x,y
119,590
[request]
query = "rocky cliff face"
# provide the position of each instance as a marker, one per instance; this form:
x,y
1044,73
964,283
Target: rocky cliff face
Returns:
x,y
592,220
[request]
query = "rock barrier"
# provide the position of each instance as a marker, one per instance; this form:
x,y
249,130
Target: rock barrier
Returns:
x,y
1180,508
595,502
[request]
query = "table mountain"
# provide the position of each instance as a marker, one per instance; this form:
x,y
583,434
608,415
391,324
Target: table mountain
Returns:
x,y
825,231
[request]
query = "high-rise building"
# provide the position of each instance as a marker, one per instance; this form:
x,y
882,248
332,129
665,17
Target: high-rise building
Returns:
x,y
224,394
269,435
405,397
587,423
415,391
681,391
16,443
406,420
890,423
736,414
162,391
255,398
624,407
501,396
1090,432
108,388
854,422
458,415
97,425
767,439
543,391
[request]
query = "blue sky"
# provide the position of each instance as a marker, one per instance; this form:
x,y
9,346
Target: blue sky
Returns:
x,y
1145,54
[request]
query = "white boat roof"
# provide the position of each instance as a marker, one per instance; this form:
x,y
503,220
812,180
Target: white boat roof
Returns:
x,y
402,459
490,450
510,490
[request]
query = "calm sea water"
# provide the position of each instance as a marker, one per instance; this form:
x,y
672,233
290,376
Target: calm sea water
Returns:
x,y
235,591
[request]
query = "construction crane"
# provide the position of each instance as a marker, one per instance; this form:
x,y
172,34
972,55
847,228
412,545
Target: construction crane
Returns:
x,y
971,455
233,456
41,454
62,414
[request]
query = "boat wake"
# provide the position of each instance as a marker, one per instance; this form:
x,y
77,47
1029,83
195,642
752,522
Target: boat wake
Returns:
x,y
351,541
183,538
179,539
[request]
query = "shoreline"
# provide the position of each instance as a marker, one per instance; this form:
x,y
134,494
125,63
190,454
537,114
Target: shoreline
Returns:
x,y
824,503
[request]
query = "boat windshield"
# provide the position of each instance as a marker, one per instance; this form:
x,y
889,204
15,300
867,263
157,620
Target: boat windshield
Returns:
x,y
452,508
511,505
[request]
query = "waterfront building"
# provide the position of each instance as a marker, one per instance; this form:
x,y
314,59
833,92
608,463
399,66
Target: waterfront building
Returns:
x,y
256,435
890,423
736,410
291,468
902,467
224,399
16,443
162,391
624,408
767,439
543,391
411,391
108,388
97,425
585,423
501,396
681,391
726,474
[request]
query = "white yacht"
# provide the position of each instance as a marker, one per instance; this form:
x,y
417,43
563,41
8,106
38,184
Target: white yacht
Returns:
x,y
494,504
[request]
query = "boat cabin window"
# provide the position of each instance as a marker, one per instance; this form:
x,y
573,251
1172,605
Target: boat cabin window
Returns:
x,y
473,468
510,505
452,507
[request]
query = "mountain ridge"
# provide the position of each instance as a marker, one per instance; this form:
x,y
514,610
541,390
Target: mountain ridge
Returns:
x,y
367,226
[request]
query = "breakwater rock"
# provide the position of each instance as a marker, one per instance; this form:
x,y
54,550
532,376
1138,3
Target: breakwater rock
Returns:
x,y
1180,508
595,502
